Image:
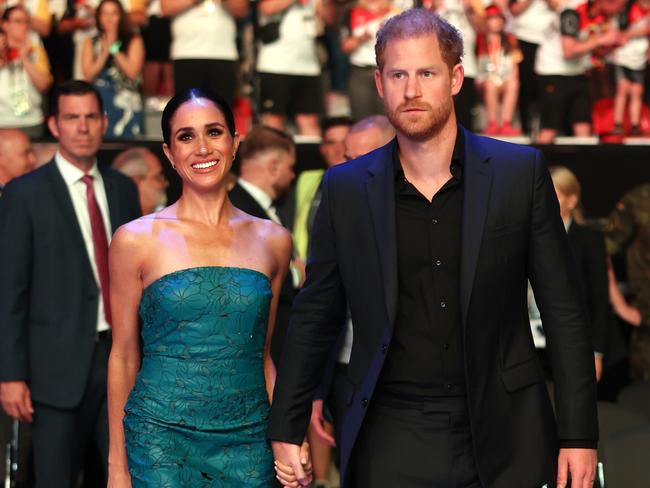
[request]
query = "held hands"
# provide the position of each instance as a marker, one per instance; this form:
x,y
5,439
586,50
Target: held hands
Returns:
x,y
16,400
292,464
580,463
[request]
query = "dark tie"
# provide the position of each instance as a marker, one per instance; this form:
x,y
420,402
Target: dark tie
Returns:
x,y
100,244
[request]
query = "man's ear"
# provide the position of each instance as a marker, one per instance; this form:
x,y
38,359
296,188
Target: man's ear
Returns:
x,y
51,124
457,78
380,88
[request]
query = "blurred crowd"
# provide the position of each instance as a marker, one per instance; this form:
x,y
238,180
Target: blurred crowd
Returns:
x,y
540,68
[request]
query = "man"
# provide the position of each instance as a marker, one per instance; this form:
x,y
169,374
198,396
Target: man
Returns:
x,y
430,241
307,194
16,155
144,168
16,158
55,307
367,135
267,157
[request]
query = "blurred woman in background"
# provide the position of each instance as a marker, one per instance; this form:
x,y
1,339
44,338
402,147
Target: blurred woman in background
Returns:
x,y
112,60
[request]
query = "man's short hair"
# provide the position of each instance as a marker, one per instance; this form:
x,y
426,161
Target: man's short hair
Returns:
x,y
74,87
420,22
133,161
329,122
261,139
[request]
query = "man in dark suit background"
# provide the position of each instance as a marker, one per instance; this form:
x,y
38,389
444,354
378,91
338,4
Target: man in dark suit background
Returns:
x,y
430,240
267,157
55,224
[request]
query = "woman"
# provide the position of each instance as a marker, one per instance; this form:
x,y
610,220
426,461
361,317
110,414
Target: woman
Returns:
x,y
113,62
588,248
24,74
205,278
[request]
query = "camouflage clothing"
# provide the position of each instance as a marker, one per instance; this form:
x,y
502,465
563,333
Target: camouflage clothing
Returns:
x,y
628,230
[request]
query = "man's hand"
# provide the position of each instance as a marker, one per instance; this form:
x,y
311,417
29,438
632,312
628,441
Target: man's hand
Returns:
x,y
16,400
292,464
580,463
317,423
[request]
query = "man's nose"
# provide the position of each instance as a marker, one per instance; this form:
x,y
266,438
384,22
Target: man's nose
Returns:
x,y
412,87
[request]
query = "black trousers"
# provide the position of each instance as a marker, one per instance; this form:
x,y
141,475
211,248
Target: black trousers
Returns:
x,y
415,443
61,435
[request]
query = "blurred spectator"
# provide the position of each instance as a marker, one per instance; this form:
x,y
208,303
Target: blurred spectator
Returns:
x,y
24,74
337,62
288,65
267,157
204,47
359,33
531,18
16,158
144,168
40,18
498,73
630,65
577,33
371,132
16,155
628,231
74,22
307,191
112,60
158,74
590,257
468,16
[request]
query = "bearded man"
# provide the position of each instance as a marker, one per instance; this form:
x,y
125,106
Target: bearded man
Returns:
x,y
431,240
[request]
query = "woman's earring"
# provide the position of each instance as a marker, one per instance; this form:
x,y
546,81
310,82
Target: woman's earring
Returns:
x,y
173,166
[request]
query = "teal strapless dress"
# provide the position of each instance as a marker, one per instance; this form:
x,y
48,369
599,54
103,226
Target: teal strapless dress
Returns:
x,y
197,414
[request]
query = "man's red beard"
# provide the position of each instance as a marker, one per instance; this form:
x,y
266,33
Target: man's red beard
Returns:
x,y
426,125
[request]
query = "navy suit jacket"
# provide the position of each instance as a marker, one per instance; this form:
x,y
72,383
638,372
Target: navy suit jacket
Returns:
x,y
511,232
49,297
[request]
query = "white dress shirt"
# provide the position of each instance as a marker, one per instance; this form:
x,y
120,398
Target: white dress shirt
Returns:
x,y
77,190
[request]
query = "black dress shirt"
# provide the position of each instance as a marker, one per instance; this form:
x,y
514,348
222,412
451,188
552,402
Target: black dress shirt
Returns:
x,y
425,357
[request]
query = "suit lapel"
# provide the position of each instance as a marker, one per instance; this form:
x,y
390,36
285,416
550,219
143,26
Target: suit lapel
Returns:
x,y
380,187
477,176
112,197
64,202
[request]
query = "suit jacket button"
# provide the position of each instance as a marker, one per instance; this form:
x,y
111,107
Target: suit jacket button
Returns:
x,y
364,402
384,348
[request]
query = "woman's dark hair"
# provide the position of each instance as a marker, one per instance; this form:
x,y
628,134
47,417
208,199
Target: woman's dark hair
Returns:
x,y
194,94
125,31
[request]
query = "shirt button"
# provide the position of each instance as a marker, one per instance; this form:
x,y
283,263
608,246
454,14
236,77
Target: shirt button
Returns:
x,y
434,221
443,305
449,386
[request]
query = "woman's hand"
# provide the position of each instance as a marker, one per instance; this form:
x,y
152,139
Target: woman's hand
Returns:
x,y
286,474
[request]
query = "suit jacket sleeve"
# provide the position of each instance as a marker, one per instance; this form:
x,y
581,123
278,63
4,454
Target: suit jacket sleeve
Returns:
x,y
314,328
556,285
15,271
597,290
